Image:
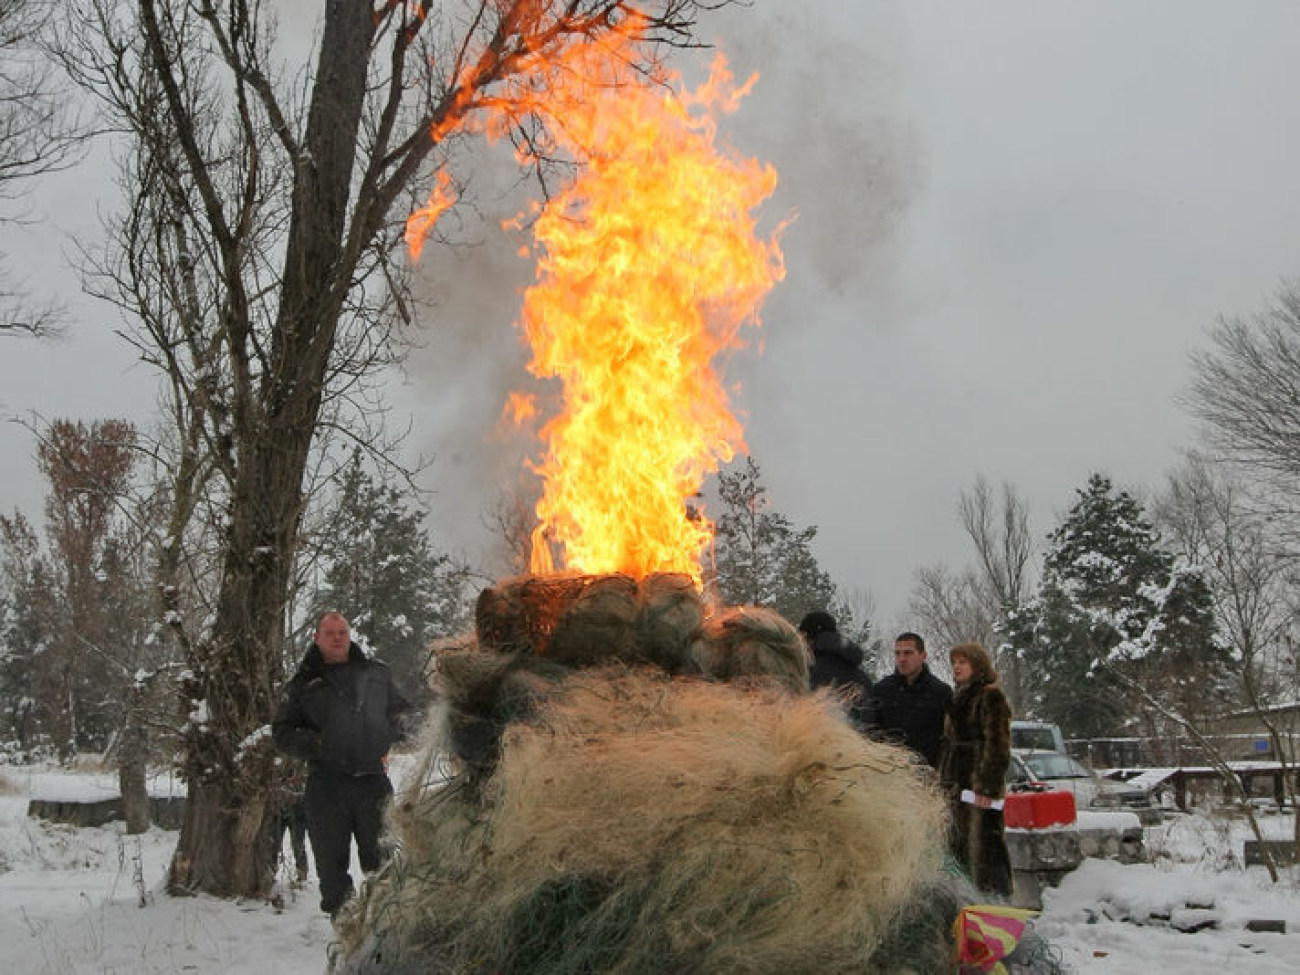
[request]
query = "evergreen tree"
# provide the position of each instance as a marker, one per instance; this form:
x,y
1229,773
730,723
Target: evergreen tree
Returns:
x,y
25,637
381,571
762,559
1113,607
75,631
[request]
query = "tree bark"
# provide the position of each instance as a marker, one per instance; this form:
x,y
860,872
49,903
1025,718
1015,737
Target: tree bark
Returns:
x,y
223,856
131,774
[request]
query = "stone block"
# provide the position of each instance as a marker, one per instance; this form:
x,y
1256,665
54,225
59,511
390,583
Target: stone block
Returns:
x,y
1270,925
1191,920
1044,849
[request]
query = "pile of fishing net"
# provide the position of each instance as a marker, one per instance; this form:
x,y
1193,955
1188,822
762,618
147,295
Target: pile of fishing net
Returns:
x,y
639,786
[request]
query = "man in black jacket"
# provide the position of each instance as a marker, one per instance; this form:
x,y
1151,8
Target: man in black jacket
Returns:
x,y
837,663
910,702
341,713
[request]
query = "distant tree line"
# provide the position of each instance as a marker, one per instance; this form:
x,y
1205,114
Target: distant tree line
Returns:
x,y
83,667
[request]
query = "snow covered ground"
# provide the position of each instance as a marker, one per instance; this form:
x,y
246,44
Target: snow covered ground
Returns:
x,y
1110,917
78,900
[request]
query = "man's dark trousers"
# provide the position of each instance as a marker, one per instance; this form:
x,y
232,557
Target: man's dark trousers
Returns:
x,y
339,807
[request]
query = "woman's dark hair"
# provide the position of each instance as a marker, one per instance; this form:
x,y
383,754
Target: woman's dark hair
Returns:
x,y
981,664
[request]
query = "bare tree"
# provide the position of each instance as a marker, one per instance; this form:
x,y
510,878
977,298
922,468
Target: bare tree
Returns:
x,y
969,605
952,606
256,262
1209,512
38,135
998,527
1245,390
999,530
511,522
1245,393
860,625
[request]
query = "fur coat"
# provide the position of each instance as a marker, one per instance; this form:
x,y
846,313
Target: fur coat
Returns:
x,y
976,753
977,739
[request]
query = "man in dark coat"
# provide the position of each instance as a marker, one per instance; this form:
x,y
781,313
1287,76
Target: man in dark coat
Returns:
x,y
341,713
910,702
837,663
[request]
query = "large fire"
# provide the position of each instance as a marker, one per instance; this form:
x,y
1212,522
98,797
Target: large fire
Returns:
x,y
649,266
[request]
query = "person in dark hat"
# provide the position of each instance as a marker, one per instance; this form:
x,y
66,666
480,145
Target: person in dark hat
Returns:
x,y
837,663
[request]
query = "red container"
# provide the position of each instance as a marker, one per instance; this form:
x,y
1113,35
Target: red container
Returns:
x,y
1036,810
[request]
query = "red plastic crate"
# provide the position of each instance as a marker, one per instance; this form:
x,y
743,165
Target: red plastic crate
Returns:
x,y
1036,810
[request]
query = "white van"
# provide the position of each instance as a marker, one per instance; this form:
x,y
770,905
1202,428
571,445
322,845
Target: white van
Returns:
x,y
1037,736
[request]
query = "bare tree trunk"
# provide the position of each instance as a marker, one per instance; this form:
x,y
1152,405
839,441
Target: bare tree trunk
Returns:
x,y
228,802
132,779
999,530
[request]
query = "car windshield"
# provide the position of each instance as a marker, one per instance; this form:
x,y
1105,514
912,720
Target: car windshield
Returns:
x,y
1033,738
1017,772
1054,765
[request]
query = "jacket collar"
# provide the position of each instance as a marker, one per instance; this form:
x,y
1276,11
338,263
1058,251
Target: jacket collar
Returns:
x,y
922,676
313,662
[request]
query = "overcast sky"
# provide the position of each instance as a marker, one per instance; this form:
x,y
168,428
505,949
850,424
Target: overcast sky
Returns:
x,y
1014,222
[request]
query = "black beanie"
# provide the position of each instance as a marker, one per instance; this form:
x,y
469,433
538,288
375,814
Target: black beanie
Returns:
x,y
818,621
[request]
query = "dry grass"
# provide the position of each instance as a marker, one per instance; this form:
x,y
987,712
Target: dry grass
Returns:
x,y
670,614
743,642
599,625
642,823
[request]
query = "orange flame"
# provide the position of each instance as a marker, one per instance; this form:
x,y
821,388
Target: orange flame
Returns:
x,y
420,223
520,408
651,266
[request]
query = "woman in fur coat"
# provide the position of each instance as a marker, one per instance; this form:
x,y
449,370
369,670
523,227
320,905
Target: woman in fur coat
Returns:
x,y
973,769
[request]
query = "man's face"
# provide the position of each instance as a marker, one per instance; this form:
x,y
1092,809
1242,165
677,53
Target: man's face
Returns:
x,y
333,638
908,660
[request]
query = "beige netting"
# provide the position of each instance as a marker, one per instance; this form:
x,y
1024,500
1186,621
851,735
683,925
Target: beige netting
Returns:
x,y
747,642
643,823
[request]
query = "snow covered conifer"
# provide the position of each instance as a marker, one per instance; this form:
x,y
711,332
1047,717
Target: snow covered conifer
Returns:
x,y
381,570
1112,606
762,559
